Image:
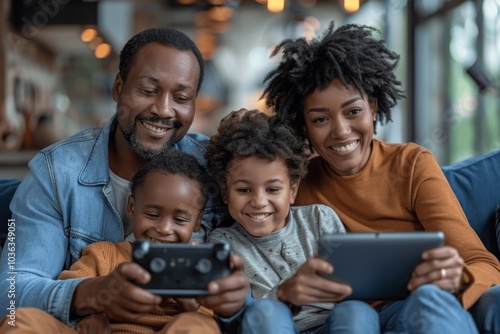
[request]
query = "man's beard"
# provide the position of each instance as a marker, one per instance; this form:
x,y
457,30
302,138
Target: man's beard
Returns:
x,y
147,152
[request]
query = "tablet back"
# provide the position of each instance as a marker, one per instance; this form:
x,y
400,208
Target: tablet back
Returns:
x,y
378,266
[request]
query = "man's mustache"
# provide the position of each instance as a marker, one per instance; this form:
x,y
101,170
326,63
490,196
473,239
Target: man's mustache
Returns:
x,y
163,121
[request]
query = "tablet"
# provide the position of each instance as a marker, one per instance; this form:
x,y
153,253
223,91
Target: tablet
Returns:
x,y
378,266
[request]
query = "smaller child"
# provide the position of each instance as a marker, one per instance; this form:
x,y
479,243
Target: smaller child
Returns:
x,y
258,163
168,196
167,201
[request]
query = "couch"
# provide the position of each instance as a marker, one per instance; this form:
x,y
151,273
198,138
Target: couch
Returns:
x,y
475,181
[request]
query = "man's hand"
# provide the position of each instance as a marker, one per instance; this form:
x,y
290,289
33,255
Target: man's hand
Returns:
x,y
115,294
93,324
227,295
306,286
187,304
442,266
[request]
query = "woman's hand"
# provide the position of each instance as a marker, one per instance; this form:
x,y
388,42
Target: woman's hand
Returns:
x,y
442,266
227,295
307,286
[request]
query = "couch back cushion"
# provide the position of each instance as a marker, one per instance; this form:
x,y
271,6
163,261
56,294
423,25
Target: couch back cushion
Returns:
x,y
476,183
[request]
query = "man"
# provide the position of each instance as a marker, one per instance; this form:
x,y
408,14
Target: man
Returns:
x,y
76,190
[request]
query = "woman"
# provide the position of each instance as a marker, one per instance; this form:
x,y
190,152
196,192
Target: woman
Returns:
x,y
333,91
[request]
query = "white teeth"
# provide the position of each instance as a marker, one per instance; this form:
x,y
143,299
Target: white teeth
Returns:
x,y
154,128
260,216
153,241
346,148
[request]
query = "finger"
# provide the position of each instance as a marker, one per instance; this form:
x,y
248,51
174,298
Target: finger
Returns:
x,y
236,262
313,288
318,286
315,265
306,295
222,303
133,271
443,252
429,266
236,281
121,315
140,296
446,278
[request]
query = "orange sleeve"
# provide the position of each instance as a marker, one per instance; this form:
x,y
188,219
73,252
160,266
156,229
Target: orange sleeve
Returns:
x,y
98,259
437,208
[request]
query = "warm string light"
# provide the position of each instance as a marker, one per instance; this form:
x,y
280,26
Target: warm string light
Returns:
x,y
96,43
351,6
88,35
102,50
275,6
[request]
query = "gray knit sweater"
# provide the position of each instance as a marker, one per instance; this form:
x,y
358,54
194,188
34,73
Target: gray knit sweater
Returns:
x,y
272,259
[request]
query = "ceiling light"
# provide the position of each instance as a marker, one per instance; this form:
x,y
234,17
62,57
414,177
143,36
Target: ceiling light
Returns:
x,y
102,50
275,6
351,6
88,34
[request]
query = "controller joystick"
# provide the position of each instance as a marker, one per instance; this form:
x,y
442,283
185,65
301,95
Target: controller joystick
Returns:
x,y
222,251
141,249
204,266
157,265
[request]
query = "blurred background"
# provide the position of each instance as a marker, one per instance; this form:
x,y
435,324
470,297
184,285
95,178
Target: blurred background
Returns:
x,y
58,60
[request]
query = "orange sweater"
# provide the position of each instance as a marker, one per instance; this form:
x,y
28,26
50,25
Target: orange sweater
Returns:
x,y
402,188
100,259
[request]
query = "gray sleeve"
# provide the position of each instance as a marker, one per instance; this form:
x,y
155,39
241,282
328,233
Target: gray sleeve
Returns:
x,y
329,221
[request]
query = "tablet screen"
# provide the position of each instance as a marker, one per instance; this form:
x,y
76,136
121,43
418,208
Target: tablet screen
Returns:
x,y
378,266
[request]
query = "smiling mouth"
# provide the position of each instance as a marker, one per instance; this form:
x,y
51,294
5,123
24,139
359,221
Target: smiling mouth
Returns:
x,y
155,129
346,148
156,241
260,216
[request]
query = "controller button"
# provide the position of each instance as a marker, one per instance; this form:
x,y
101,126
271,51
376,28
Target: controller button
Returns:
x,y
203,266
157,265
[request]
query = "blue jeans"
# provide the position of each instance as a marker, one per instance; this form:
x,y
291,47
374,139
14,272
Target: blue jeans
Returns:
x,y
486,311
428,310
268,316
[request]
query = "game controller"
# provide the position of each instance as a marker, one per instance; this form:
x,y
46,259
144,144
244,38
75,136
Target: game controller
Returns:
x,y
182,270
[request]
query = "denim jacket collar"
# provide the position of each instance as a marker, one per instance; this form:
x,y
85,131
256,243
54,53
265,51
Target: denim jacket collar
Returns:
x,y
93,173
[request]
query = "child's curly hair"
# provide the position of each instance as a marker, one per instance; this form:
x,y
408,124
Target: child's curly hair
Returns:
x,y
349,54
255,135
173,162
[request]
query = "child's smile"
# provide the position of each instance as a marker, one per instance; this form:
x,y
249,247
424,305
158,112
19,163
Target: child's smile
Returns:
x,y
259,194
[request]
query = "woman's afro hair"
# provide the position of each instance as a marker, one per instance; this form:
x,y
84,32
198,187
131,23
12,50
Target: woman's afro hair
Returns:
x,y
349,54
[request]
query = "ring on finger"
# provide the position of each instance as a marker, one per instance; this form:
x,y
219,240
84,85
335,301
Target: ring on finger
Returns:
x,y
443,273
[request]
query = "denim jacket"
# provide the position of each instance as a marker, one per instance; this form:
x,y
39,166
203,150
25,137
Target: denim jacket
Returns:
x,y
63,205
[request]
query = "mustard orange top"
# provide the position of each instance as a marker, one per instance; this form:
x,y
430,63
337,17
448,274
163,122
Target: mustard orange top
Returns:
x,y
100,259
402,188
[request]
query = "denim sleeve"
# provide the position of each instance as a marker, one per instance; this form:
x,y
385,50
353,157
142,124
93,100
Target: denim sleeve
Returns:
x,y
39,247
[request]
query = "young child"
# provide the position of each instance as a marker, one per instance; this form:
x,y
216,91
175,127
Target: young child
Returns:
x,y
258,163
166,204
168,196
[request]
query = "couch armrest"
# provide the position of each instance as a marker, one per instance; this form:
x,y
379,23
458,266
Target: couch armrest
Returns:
x,y
476,183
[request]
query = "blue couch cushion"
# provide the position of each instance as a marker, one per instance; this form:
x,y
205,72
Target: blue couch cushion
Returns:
x,y
7,189
476,183
497,225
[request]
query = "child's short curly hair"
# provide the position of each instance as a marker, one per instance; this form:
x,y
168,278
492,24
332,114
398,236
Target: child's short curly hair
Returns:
x,y
173,162
255,135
